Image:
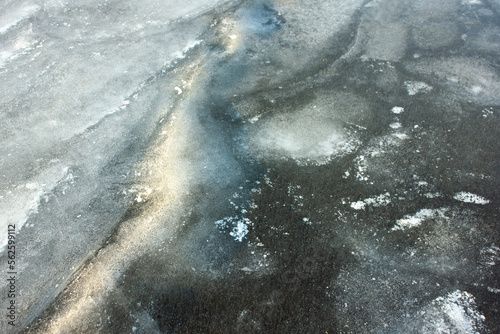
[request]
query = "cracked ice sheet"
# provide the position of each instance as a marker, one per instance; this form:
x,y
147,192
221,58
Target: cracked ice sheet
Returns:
x,y
304,148
20,201
35,124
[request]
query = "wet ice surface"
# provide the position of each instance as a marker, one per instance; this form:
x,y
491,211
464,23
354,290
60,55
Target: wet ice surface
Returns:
x,y
247,167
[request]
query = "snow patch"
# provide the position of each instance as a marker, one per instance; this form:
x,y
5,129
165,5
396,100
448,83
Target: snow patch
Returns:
x,y
489,256
240,230
471,2
410,221
239,226
398,110
254,119
467,197
361,169
395,125
380,200
415,87
400,135
455,313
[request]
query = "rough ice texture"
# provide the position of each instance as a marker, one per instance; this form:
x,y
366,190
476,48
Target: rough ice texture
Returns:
x,y
467,197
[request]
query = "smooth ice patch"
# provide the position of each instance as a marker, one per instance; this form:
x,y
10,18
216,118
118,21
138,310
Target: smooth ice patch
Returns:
x,y
415,87
410,221
467,197
314,134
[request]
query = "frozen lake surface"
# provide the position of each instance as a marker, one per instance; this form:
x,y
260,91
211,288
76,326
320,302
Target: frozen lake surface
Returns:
x,y
286,166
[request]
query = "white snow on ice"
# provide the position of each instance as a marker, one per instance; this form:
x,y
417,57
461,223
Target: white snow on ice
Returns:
x,y
398,110
455,313
410,221
395,125
415,87
380,200
467,197
239,226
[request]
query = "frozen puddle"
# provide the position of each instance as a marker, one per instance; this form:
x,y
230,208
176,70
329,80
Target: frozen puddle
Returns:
x,y
397,110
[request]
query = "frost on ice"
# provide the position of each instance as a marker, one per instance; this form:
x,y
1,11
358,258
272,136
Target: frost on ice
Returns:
x,y
398,110
239,226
